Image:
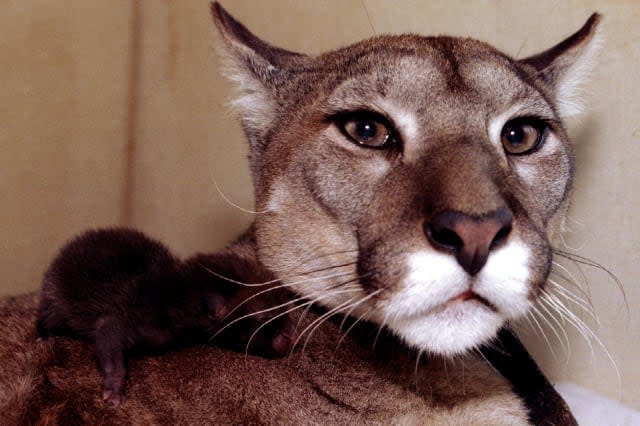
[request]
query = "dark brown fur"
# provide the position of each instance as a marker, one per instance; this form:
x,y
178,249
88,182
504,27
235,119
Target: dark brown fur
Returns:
x,y
126,292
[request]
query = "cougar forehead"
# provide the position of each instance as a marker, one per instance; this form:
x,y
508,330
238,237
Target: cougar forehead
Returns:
x,y
442,233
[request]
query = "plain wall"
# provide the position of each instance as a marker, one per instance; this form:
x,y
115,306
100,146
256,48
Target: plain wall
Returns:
x,y
113,113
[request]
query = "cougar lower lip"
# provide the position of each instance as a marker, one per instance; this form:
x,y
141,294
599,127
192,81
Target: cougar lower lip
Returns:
x,y
470,295
464,296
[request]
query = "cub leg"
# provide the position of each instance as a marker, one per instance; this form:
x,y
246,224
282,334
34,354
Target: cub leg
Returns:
x,y
110,347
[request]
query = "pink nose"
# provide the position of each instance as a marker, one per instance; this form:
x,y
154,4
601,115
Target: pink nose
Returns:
x,y
469,238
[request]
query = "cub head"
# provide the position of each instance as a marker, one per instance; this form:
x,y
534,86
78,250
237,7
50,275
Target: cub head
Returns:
x,y
411,181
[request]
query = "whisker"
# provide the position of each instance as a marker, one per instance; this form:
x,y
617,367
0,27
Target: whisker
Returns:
x,y
318,321
417,366
380,327
531,325
581,289
306,311
561,291
244,284
585,303
479,352
348,314
251,314
287,286
311,255
566,348
580,325
289,311
544,335
588,262
571,276
231,203
335,286
359,318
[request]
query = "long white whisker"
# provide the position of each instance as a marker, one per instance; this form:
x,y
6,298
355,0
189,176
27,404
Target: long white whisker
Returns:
x,y
566,348
583,303
536,311
479,352
380,327
286,285
359,318
583,293
334,293
558,265
579,324
231,203
251,314
316,323
572,298
415,370
527,317
348,314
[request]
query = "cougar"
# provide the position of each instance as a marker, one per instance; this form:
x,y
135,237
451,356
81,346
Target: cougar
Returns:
x,y
413,182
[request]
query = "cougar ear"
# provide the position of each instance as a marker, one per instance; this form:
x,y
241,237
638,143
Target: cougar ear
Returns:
x,y
257,69
566,66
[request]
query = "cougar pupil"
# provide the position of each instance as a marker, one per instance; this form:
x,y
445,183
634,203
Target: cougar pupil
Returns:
x,y
514,134
366,130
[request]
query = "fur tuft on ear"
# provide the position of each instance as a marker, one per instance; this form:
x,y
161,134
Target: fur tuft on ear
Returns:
x,y
566,66
256,68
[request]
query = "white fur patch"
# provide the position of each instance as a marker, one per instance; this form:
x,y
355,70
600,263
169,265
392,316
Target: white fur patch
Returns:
x,y
251,99
431,280
406,120
278,198
504,279
423,313
451,331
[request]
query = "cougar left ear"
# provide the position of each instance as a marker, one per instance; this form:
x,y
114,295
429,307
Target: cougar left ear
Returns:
x,y
565,67
256,67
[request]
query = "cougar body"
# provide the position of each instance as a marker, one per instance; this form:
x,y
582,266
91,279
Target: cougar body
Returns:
x,y
413,182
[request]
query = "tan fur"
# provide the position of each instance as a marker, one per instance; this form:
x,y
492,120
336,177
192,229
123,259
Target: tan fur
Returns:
x,y
56,382
363,214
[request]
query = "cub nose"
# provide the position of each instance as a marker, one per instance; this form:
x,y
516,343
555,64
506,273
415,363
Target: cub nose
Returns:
x,y
469,238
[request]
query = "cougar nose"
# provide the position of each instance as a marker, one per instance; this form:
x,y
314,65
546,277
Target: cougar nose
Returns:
x,y
469,238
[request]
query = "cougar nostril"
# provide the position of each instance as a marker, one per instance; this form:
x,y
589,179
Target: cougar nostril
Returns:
x,y
444,237
501,236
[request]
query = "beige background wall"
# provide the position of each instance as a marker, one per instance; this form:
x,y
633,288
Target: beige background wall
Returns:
x,y
112,113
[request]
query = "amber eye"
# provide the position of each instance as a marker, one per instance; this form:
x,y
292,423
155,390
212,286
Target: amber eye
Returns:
x,y
522,136
367,131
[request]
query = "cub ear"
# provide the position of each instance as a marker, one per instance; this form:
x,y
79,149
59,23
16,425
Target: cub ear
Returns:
x,y
567,65
257,68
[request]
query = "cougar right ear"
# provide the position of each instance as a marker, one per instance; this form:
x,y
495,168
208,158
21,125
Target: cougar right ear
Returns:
x,y
566,66
257,68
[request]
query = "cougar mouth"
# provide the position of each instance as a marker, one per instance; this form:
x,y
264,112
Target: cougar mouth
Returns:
x,y
437,306
450,329
470,296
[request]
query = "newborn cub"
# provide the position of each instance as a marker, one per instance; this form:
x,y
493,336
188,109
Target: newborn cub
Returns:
x,y
124,291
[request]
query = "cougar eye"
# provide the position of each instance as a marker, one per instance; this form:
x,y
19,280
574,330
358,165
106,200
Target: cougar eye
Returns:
x,y
522,135
367,130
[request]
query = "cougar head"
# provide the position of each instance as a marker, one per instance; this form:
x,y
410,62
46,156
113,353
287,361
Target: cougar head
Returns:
x,y
411,181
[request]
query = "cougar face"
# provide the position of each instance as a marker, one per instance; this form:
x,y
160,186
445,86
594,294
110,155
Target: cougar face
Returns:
x,y
411,181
